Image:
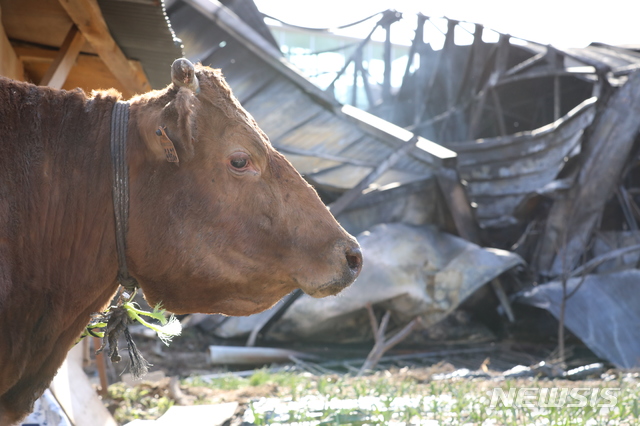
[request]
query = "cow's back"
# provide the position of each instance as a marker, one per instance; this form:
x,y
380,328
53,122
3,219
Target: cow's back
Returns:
x,y
54,204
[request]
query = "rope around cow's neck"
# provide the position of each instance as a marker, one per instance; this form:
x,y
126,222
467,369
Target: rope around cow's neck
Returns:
x,y
116,319
120,189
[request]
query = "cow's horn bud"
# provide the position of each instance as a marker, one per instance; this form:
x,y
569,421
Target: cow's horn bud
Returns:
x,y
183,74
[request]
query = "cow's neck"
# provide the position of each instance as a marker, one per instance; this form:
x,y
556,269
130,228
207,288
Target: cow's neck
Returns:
x,y
57,243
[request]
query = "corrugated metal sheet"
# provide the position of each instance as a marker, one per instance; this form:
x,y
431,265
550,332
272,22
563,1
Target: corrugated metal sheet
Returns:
x,y
142,31
603,55
610,329
249,13
501,172
333,150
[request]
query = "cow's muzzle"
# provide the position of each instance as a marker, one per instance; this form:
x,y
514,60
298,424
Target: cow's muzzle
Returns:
x,y
354,260
350,263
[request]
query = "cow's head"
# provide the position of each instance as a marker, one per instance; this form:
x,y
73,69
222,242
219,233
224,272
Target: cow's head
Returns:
x,y
232,227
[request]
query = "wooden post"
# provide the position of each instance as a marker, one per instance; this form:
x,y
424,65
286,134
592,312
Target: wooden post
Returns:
x,y
102,369
87,16
456,198
386,83
10,64
357,63
58,71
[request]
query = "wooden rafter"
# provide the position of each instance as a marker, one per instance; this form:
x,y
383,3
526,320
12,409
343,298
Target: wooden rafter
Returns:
x,y
86,71
10,65
87,16
58,71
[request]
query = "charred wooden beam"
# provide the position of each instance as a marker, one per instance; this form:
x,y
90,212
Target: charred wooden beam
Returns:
x,y
473,67
382,344
352,58
388,18
446,64
357,62
499,113
478,60
548,72
438,68
421,78
458,202
367,86
527,64
429,152
572,219
417,41
499,68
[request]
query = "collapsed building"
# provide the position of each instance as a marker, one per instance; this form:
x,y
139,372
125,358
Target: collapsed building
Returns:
x,y
498,174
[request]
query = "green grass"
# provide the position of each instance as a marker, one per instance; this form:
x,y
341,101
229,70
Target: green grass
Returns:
x,y
393,399
139,402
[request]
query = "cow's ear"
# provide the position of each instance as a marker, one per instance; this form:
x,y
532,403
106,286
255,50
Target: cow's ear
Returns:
x,y
181,112
179,121
170,133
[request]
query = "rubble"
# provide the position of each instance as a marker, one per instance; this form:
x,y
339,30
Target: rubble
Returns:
x,y
602,311
526,151
410,270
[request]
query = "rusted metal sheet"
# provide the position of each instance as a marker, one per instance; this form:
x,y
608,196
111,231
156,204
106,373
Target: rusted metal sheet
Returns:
x,y
414,270
606,152
500,172
532,144
612,301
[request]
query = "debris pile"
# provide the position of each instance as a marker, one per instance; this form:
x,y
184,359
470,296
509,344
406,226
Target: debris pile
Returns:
x,y
528,153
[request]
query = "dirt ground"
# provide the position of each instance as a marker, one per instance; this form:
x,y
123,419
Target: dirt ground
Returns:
x,y
187,356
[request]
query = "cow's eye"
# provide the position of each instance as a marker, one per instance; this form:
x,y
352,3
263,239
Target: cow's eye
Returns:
x,y
239,160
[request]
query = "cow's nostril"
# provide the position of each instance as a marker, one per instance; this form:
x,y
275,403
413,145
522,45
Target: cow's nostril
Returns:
x,y
354,259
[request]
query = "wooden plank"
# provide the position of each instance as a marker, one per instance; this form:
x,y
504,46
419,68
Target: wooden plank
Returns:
x,y
199,415
341,203
89,72
10,65
42,22
87,16
74,393
388,132
325,132
280,107
59,69
459,206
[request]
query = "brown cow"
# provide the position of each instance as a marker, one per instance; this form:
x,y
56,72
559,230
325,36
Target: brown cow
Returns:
x,y
230,229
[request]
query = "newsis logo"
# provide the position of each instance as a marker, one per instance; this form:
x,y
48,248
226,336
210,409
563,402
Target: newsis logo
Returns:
x,y
555,397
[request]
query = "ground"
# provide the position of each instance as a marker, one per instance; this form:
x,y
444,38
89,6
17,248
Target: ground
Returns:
x,y
405,391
